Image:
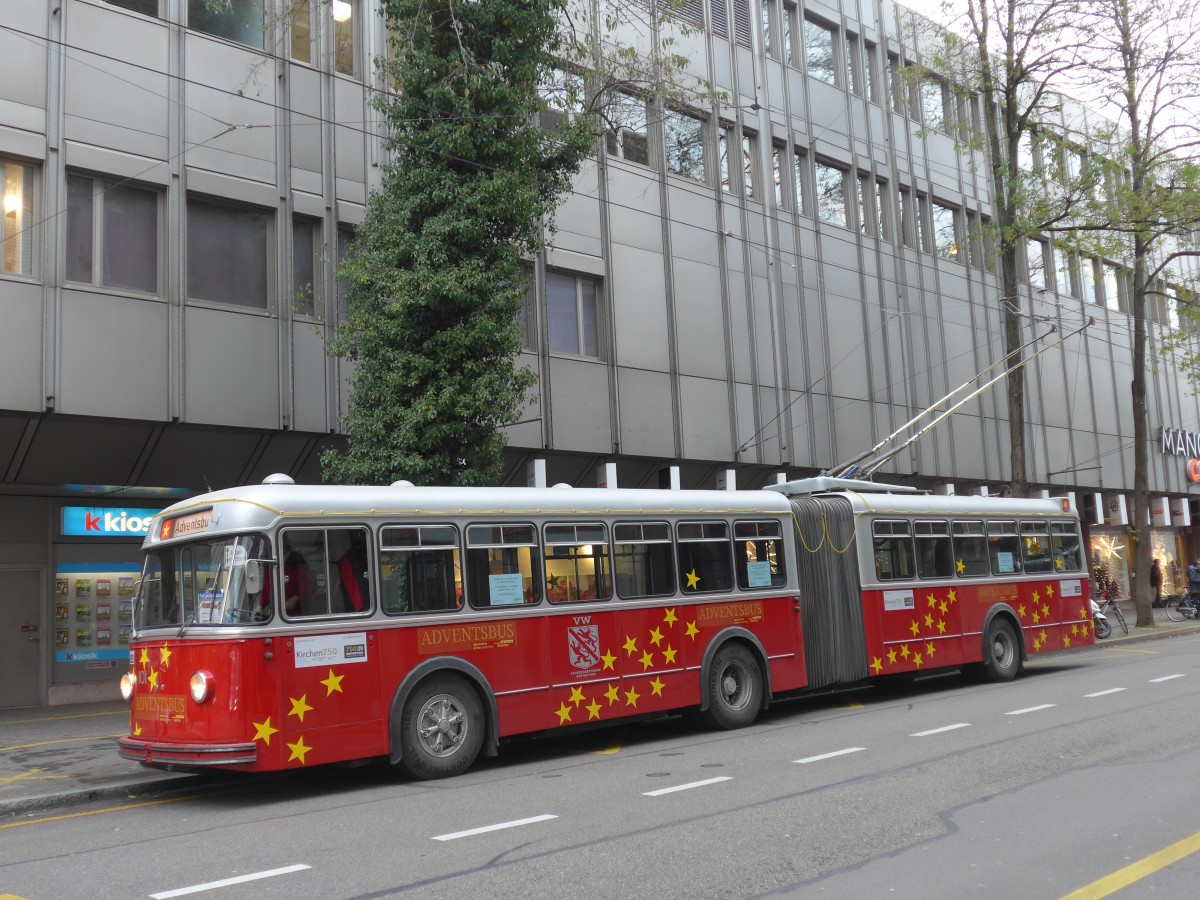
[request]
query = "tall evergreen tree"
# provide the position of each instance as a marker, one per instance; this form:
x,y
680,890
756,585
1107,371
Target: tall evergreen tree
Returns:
x,y
435,274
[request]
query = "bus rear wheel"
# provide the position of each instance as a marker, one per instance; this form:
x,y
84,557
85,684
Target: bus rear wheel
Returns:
x,y
1001,652
441,728
735,688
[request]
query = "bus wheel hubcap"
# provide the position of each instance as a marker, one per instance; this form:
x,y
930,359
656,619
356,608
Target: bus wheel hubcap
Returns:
x,y
441,725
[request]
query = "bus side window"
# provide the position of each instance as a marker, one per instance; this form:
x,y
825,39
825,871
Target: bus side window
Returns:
x,y
970,550
501,562
1035,547
934,556
893,550
326,571
1065,539
643,560
1004,548
577,566
704,561
420,569
758,552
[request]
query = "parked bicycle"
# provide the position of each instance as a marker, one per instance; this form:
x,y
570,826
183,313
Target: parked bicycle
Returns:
x,y
1182,606
1108,606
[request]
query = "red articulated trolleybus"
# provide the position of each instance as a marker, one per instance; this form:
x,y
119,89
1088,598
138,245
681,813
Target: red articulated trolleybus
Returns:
x,y
280,626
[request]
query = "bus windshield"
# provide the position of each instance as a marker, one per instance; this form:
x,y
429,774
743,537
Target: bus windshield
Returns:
x,y
202,583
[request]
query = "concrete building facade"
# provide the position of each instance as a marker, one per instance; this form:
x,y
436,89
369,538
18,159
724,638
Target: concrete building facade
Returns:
x,y
767,284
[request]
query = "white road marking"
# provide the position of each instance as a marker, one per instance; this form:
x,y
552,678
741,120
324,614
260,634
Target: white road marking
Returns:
x,y
1165,678
1103,693
940,730
500,827
686,787
1021,712
809,759
226,882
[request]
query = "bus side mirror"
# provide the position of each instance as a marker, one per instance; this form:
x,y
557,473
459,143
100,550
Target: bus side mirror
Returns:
x,y
253,576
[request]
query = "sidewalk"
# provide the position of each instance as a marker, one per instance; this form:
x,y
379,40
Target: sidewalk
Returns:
x,y
66,755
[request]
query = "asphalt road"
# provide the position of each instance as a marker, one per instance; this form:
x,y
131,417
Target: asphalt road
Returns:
x,y
1084,767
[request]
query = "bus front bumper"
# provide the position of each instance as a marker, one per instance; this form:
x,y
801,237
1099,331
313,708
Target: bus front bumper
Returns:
x,y
158,753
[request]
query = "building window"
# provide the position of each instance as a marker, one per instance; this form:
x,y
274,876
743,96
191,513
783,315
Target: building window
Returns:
x,y
1092,280
853,65
818,51
564,98
865,197
896,86
1112,290
831,194
768,26
684,137
933,104
145,7
908,227
974,241
690,11
572,314
306,270
881,211
791,33
627,138
779,176
228,253
112,234
749,164
345,35
301,26
742,22
240,21
945,232
719,18
800,180
1035,261
16,236
870,72
725,139
1064,262
345,238
922,217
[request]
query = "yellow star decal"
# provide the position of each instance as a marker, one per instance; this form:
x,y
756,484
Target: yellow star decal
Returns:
x,y
692,630
1021,610
263,731
1083,613
564,714
928,620
1050,587
593,709
647,660
917,660
1074,629
153,679
930,650
892,655
656,687
333,683
1046,611
1036,597
298,750
904,651
669,618
669,655
137,730
144,659
632,697
942,607
693,580
961,566
941,626
612,694
932,601
1045,637
953,596
877,664
1058,565
164,657
299,707
1037,617
656,637
608,659
914,628
1066,640
576,696
1083,629
630,645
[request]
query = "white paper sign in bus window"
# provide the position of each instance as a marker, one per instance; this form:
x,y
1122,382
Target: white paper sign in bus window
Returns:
x,y
505,590
330,650
758,574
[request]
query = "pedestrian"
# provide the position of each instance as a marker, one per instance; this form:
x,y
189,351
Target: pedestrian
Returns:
x,y
1156,583
1193,577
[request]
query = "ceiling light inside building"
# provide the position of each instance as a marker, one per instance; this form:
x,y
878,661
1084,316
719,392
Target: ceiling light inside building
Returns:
x,y
342,10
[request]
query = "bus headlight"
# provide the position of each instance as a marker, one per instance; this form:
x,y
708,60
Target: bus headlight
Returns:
x,y
201,686
127,685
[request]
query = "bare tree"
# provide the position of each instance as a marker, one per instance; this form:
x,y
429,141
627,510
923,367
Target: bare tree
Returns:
x,y
1148,72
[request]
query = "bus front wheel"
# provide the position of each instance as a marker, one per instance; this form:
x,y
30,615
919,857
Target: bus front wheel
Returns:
x,y
441,728
735,688
1001,652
